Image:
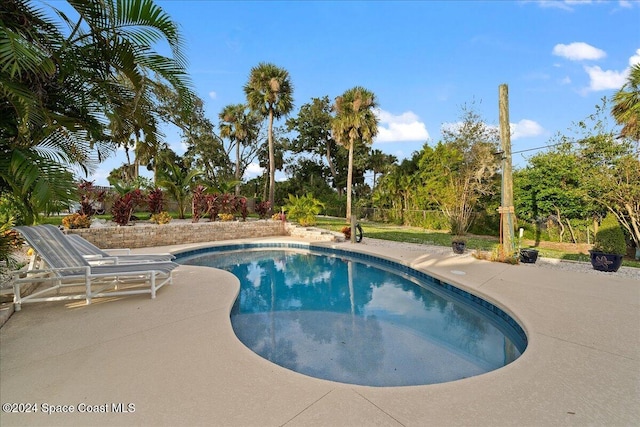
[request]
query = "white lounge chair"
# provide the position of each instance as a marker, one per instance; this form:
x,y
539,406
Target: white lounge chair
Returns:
x,y
94,254
65,267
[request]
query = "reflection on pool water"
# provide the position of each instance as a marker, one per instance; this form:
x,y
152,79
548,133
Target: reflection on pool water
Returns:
x,y
340,319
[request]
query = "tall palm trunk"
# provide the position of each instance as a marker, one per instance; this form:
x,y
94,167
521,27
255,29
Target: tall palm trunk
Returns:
x,y
237,168
272,163
349,181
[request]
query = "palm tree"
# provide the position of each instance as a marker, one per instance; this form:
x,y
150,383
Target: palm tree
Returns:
x,y
380,163
241,128
59,79
269,91
177,181
354,122
134,124
45,127
626,107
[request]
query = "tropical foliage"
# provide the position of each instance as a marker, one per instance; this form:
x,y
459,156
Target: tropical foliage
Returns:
x,y
178,181
77,86
60,79
626,107
303,209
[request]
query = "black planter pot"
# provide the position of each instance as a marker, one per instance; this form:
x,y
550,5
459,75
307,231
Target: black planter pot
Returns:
x,y
528,256
458,247
606,262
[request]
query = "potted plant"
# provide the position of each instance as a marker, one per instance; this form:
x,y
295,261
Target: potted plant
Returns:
x,y
459,244
528,255
346,230
609,247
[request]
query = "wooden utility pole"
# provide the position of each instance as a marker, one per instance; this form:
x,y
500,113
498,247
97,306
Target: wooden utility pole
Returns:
x,y
506,209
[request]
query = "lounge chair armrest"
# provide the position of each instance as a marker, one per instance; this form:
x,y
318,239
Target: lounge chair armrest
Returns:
x,y
121,251
100,260
22,274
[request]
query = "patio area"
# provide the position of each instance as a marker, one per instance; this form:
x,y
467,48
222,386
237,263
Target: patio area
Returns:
x,y
175,360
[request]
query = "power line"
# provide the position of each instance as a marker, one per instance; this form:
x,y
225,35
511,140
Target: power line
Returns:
x,y
545,146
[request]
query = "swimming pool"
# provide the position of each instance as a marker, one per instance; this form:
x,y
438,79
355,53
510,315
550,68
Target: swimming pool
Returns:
x,y
358,319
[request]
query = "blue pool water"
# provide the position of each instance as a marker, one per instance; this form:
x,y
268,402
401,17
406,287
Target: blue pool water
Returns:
x,y
358,322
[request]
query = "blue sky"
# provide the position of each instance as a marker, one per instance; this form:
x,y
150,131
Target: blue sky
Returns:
x,y
423,59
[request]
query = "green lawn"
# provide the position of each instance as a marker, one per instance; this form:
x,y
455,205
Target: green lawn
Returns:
x,y
407,234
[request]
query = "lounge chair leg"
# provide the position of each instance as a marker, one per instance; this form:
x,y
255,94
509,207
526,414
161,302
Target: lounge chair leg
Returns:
x,y
87,282
17,297
153,285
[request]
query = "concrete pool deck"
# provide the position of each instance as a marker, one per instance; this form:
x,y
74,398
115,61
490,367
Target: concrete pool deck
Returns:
x,y
178,362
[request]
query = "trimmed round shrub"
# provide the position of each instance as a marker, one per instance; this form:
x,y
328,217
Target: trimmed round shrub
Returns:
x,y
610,237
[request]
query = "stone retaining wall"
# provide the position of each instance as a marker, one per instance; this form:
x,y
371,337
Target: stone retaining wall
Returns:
x,y
148,235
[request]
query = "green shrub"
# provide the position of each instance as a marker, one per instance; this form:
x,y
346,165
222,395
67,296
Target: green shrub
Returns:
x,y
610,237
303,209
10,207
10,241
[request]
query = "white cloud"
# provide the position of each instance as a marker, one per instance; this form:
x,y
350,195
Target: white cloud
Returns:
x,y
100,176
569,5
213,94
600,79
635,59
578,51
563,4
525,129
404,127
253,170
566,80
555,4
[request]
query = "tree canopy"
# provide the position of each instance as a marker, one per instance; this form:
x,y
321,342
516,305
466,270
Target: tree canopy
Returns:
x,y
61,80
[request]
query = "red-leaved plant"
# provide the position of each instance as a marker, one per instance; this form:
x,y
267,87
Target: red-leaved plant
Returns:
x,y
89,198
123,206
262,209
213,206
241,206
198,203
155,200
